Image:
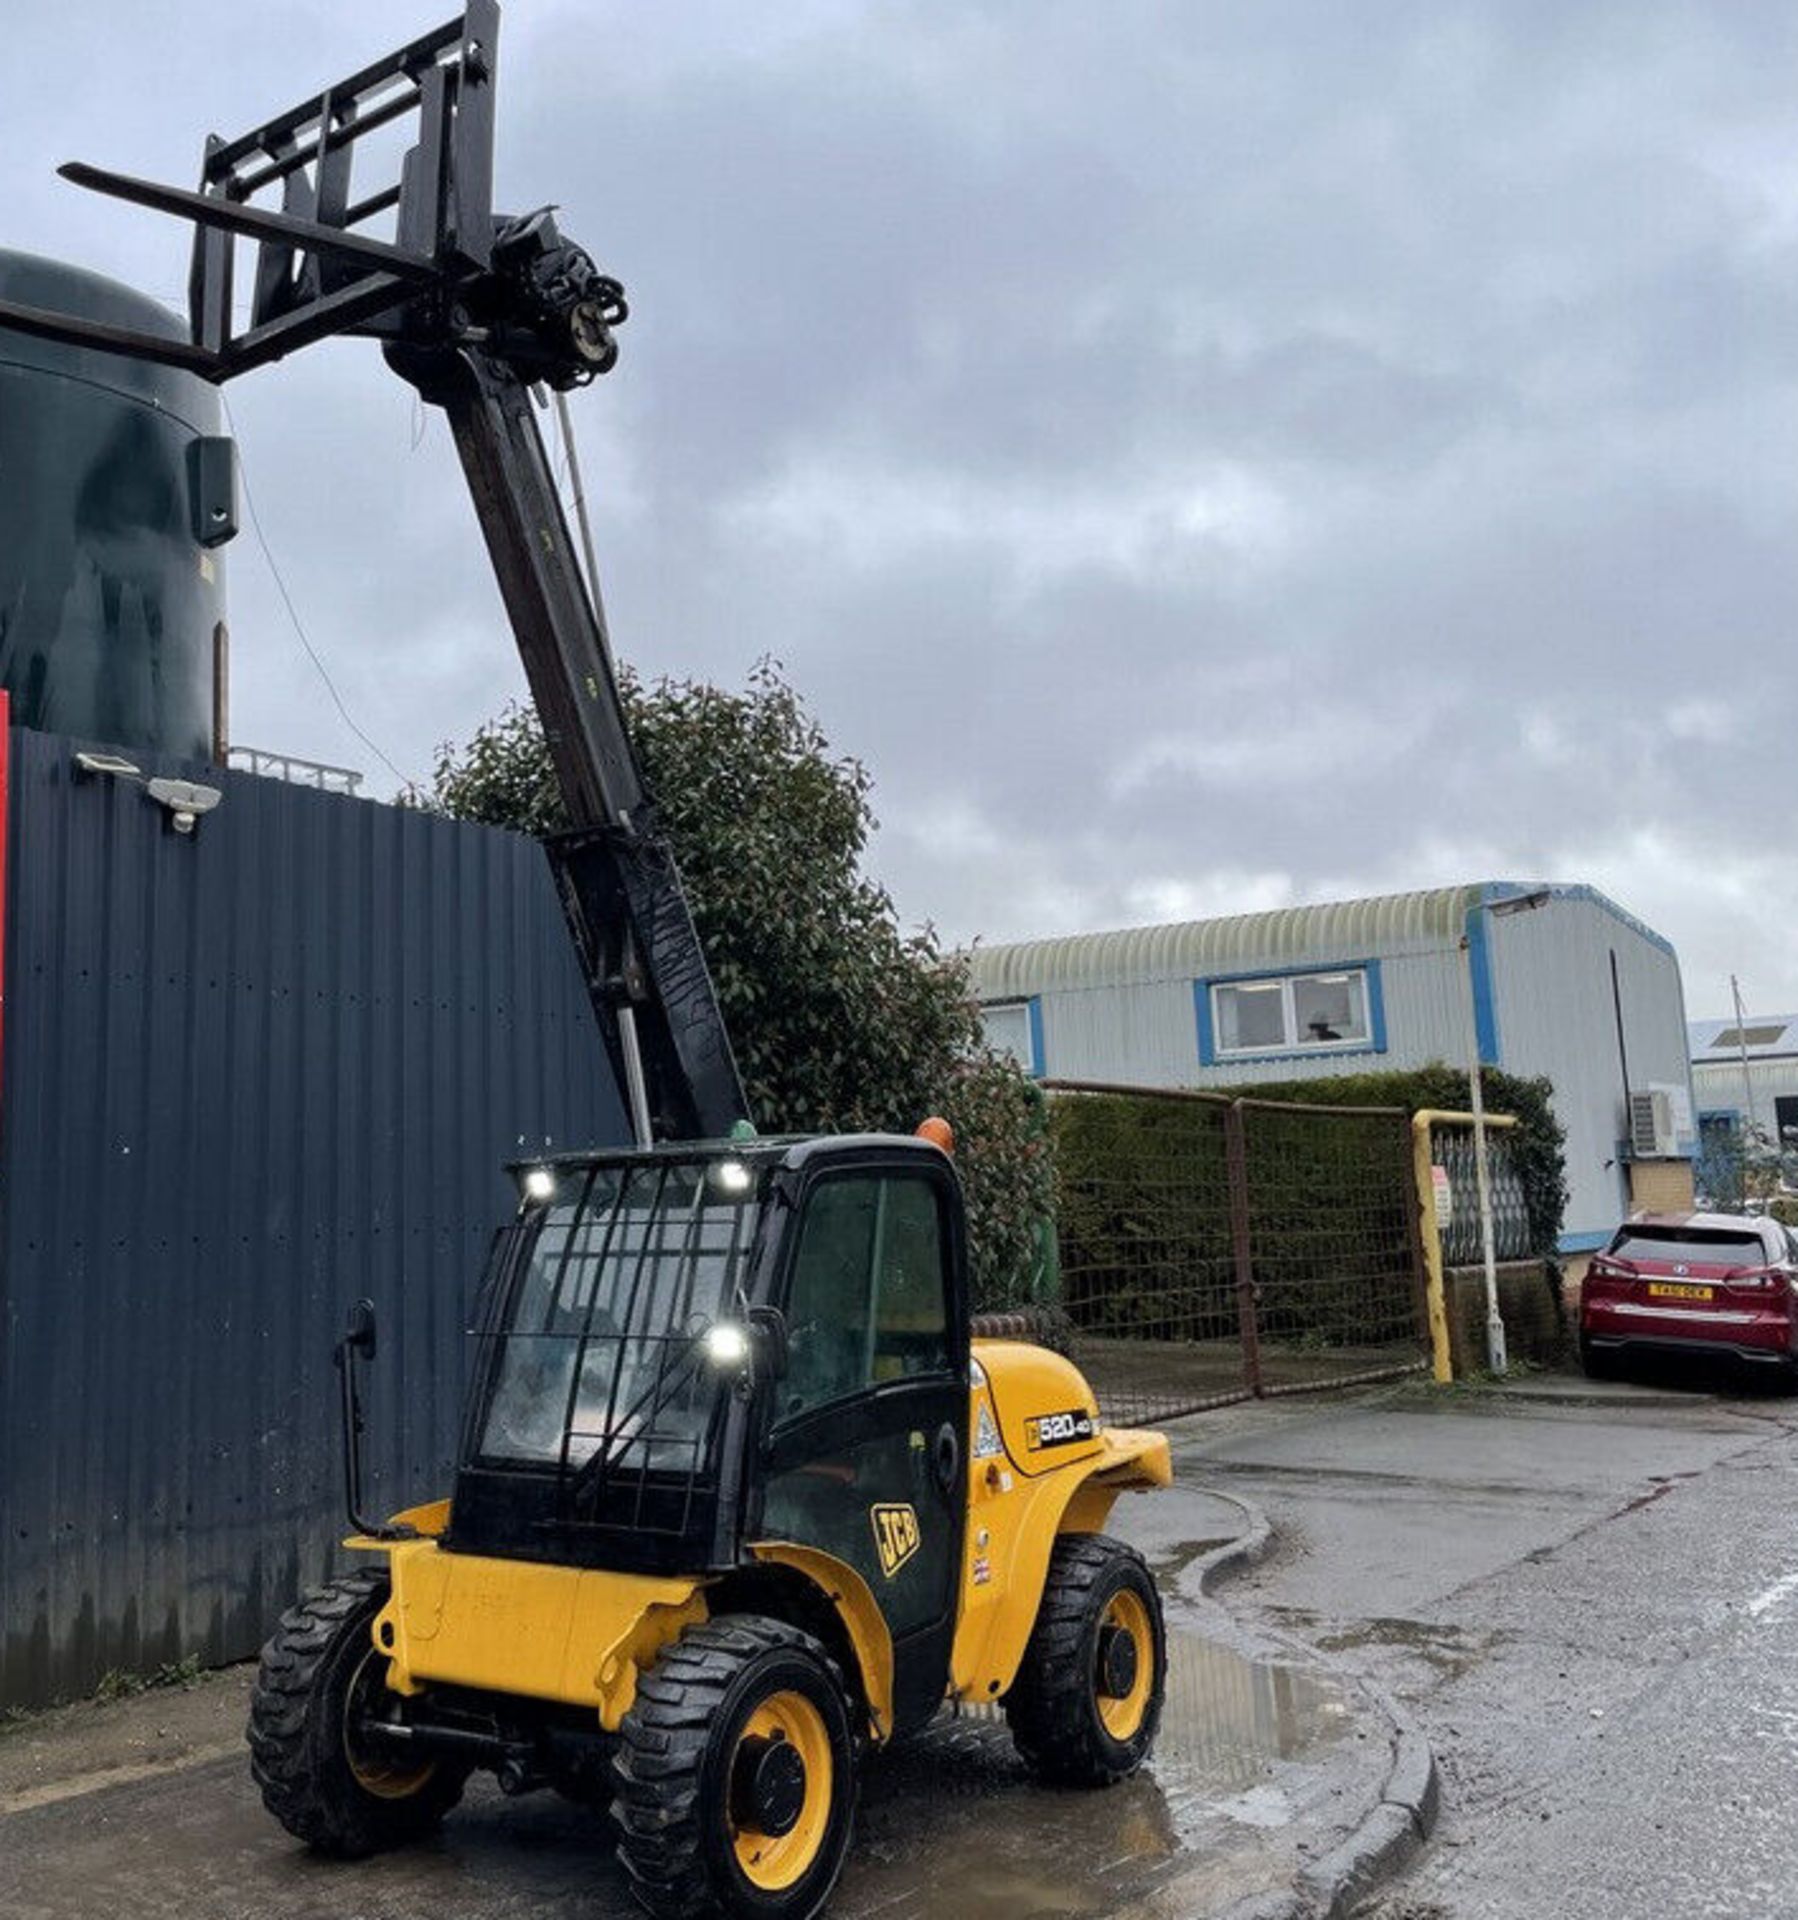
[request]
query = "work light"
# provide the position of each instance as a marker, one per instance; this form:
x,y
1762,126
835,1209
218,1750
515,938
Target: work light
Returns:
x,y
726,1344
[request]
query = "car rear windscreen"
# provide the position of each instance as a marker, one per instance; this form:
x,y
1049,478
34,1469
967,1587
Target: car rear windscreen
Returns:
x,y
1715,1247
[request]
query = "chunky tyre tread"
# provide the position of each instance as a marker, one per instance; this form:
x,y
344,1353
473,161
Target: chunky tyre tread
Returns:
x,y
285,1743
657,1769
1050,1707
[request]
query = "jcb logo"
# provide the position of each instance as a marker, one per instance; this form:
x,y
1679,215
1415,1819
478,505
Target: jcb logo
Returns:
x,y
895,1536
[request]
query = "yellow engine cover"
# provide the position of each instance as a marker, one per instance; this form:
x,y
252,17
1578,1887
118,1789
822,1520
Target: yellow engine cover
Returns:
x,y
1040,1463
1046,1412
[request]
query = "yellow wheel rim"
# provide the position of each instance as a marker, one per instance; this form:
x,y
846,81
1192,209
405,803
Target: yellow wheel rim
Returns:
x,y
1122,1716
774,1862
371,1773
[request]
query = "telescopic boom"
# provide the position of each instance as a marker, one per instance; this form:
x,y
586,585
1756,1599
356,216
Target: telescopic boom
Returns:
x,y
479,312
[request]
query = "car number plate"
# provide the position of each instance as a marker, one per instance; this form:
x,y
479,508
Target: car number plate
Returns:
x,y
1676,1290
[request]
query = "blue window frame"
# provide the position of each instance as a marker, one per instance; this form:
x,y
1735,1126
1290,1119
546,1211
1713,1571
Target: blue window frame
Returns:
x,y
1301,1013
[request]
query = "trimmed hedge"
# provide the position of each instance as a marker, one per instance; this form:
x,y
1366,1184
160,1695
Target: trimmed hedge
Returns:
x,y
1538,1142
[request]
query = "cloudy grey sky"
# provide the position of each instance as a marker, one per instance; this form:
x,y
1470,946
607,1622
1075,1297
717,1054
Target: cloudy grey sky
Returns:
x,y
1201,456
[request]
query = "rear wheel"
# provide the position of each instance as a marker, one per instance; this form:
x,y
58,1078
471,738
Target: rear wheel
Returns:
x,y
1778,1376
322,1678
1597,1363
735,1774
1087,1699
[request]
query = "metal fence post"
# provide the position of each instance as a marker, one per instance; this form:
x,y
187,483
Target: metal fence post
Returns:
x,y
1442,1360
1420,1283
1241,1245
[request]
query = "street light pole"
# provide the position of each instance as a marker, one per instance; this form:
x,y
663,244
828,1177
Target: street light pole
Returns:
x,y
1748,1134
1497,1360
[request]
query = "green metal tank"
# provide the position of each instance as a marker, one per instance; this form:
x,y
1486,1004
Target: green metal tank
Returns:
x,y
116,494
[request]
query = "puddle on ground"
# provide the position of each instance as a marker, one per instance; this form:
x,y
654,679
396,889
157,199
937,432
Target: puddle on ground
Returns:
x,y
952,1823
1171,1562
1448,1649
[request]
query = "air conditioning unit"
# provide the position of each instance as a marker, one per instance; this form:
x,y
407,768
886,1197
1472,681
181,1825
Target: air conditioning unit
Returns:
x,y
1652,1124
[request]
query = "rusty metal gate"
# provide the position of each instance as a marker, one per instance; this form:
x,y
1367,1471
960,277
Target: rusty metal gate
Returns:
x,y
1215,1250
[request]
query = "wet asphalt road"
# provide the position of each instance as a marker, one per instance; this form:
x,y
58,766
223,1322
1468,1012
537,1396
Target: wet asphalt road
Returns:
x,y
1591,1609
1591,1606
144,1808
950,1824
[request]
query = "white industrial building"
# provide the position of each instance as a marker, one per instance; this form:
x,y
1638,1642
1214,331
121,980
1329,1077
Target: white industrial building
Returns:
x,y
1553,980
1747,1066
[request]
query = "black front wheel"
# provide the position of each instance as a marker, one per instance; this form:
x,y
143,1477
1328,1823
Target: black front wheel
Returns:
x,y
735,1774
1087,1699
322,1681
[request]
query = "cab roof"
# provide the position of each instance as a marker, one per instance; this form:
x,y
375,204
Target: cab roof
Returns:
x,y
793,1150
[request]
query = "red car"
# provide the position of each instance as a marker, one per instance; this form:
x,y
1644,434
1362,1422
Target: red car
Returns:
x,y
1707,1285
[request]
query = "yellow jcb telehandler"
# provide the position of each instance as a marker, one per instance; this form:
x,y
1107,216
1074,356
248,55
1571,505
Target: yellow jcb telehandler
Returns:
x,y
738,1496
738,1500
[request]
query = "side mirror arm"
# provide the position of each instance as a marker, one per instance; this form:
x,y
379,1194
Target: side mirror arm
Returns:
x,y
358,1344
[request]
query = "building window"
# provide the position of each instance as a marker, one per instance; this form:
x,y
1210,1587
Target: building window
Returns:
x,y
1329,1009
1251,1017
1015,1028
1334,1010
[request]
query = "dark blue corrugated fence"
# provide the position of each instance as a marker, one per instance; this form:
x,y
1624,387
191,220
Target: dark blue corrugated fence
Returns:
x,y
249,1075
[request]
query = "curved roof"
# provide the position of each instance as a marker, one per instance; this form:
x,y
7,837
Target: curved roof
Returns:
x,y
30,280
1194,949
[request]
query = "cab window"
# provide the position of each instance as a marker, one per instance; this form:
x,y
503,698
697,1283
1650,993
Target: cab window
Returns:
x,y
866,1305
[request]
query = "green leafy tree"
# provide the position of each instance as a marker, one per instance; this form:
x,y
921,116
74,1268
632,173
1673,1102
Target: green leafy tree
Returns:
x,y
840,1020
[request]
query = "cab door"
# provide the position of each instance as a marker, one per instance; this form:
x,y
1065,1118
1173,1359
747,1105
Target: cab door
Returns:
x,y
864,1455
